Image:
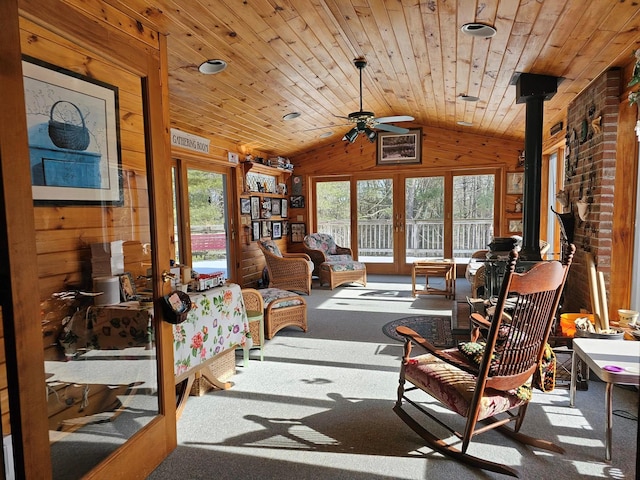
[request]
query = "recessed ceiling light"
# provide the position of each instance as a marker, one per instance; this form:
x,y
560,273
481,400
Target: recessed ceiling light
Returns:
x,y
465,124
468,98
291,116
479,30
325,134
212,66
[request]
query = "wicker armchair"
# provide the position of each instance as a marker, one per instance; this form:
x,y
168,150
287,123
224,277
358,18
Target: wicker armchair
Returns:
x,y
475,272
321,247
287,271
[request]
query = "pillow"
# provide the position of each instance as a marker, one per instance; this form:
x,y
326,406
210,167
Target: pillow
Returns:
x,y
271,247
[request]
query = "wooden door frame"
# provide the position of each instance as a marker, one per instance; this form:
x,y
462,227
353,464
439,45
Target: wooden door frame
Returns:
x,y
25,365
183,161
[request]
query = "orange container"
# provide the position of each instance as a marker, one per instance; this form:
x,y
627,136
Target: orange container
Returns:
x,y
567,322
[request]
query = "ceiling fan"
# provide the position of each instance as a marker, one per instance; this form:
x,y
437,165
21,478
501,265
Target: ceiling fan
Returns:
x,y
365,122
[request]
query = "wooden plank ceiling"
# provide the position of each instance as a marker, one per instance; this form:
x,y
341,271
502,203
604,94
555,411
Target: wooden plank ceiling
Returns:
x,y
297,56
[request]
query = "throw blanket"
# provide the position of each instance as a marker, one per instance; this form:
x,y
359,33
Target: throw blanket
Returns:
x,y
544,379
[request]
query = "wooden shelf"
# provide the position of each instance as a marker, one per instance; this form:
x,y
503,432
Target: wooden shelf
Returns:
x,y
264,169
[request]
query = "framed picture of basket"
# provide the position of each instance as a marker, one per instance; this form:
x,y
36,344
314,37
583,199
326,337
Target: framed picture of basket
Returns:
x,y
74,136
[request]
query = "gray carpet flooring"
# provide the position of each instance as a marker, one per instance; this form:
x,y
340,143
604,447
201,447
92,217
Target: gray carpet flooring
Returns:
x,y
320,407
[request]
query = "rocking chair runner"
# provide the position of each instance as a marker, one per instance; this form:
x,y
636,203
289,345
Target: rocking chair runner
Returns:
x,y
494,379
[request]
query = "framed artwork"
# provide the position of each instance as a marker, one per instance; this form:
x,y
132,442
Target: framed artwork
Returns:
x,y
255,231
284,210
265,211
276,206
276,230
515,183
397,148
245,206
296,185
515,226
255,208
297,201
298,231
285,228
74,137
265,230
127,287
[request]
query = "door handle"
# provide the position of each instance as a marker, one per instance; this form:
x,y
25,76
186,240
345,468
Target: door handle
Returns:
x,y
167,276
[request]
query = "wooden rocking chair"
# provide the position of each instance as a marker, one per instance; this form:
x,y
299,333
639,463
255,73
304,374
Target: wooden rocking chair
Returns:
x,y
482,380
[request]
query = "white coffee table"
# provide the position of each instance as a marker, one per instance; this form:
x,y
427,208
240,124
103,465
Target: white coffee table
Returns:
x,y
613,361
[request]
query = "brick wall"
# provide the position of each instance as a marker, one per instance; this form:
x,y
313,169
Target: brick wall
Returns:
x,y
590,168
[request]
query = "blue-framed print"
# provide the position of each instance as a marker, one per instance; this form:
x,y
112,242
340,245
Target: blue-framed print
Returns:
x,y
74,136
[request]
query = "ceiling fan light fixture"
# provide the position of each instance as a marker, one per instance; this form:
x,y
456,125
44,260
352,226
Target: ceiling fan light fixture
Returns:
x,y
478,30
211,67
351,135
370,134
291,116
468,98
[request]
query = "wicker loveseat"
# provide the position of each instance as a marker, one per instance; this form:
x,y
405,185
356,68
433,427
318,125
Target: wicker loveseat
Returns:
x,y
287,271
321,247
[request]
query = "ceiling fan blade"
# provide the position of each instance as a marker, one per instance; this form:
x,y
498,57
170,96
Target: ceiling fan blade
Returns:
x,y
396,118
391,128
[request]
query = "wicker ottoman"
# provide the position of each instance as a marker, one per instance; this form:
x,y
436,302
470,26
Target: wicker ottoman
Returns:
x,y
282,309
338,273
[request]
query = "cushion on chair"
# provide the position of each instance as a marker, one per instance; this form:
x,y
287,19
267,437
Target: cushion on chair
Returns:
x,y
271,247
343,266
454,387
321,241
272,294
339,258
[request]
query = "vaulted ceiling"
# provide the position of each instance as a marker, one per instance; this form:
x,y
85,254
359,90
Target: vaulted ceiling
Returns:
x,y
297,56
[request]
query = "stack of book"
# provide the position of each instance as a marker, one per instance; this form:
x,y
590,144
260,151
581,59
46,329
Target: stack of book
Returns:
x,y
107,259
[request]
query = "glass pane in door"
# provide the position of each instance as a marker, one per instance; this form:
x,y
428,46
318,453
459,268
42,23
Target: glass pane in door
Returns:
x,y
208,220
424,212
333,211
375,220
473,209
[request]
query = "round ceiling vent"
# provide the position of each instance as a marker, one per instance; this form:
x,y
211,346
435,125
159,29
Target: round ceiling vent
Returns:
x,y
468,98
325,134
291,116
479,30
212,66
462,123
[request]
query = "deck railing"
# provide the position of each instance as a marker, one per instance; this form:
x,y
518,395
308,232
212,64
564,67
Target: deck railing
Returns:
x,y
424,238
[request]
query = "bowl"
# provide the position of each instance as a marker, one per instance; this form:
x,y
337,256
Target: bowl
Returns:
x,y
627,317
614,335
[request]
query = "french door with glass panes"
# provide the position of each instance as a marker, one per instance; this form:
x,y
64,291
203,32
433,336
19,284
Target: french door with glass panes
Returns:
x,y
391,221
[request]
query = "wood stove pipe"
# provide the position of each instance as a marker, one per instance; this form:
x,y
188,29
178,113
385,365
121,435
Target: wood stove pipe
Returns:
x,y
532,89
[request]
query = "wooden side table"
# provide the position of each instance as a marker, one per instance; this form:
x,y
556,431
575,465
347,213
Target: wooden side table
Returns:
x,y
435,267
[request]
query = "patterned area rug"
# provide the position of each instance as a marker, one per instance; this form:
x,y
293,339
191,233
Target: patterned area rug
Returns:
x,y
436,329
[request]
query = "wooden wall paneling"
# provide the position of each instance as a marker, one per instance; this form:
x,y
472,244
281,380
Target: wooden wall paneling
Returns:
x,y
624,208
20,313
